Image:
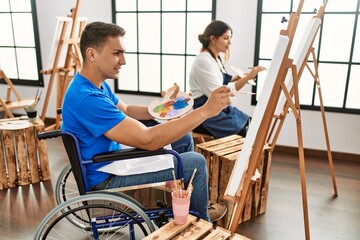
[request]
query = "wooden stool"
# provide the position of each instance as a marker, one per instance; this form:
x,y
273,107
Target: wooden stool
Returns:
x,y
201,137
23,158
221,155
193,230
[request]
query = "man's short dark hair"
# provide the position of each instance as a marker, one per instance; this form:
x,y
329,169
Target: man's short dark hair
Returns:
x,y
95,35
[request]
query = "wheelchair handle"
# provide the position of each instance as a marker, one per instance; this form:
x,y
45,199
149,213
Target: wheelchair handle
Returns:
x,y
51,134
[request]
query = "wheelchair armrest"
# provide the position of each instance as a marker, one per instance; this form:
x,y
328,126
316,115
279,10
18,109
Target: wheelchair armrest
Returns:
x,y
47,135
127,153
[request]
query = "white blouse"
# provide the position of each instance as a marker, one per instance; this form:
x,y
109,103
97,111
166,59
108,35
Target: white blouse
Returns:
x,y
206,76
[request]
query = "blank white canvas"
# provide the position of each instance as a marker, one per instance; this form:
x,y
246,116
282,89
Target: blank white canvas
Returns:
x,y
299,58
60,21
243,158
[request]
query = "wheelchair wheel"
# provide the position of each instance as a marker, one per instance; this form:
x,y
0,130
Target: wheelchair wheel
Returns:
x,y
66,188
103,216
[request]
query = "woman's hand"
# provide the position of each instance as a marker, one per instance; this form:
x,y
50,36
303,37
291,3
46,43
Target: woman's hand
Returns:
x,y
235,78
254,71
248,75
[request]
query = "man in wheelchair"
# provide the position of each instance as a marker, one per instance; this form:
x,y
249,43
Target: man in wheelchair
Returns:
x,y
100,121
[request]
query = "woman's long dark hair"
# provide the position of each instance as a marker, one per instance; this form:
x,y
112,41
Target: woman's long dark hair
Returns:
x,y
216,28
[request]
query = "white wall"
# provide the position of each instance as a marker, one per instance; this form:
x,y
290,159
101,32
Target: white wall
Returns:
x,y
344,129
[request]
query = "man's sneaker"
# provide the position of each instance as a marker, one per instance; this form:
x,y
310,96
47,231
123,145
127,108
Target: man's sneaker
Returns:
x,y
217,211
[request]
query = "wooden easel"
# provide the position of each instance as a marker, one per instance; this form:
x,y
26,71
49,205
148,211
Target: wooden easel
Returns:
x,y
7,104
263,131
73,62
243,189
279,119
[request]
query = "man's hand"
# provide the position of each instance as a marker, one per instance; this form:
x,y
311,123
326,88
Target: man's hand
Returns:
x,y
217,101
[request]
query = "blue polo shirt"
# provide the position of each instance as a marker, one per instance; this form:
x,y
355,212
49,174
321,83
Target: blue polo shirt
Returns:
x,y
88,112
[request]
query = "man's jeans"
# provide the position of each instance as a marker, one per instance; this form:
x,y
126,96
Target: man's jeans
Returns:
x,y
191,160
184,144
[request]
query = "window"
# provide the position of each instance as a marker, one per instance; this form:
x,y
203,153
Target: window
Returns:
x,y
337,49
161,42
19,42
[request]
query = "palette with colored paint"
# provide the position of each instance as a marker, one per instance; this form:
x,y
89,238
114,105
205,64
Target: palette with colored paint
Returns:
x,y
170,108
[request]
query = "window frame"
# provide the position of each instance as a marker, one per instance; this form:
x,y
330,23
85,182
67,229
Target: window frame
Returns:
x,y
350,63
28,82
183,85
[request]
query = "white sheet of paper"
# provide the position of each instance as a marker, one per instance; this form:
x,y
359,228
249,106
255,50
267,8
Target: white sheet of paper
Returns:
x,y
139,165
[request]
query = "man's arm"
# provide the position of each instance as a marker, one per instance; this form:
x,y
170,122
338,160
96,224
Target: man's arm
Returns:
x,y
135,111
133,133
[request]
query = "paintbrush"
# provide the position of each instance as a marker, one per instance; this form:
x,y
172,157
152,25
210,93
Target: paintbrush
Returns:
x,y
240,92
190,187
34,103
175,183
38,99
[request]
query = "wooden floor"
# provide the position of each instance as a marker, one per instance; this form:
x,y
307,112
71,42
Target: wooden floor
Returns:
x,y
23,208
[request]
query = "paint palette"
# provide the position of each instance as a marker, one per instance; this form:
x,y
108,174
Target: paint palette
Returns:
x,y
170,108
14,124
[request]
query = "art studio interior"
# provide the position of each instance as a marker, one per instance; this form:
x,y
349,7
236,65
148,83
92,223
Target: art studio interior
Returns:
x,y
109,108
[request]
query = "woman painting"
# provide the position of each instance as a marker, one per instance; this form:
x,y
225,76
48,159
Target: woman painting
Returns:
x,y
208,73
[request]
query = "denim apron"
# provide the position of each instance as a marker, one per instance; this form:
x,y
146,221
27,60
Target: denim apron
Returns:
x,y
228,122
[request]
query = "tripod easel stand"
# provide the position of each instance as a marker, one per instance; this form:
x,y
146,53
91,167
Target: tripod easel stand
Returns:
x,y
238,187
72,64
253,150
280,118
281,86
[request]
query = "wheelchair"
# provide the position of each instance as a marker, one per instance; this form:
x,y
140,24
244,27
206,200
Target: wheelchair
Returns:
x,y
105,214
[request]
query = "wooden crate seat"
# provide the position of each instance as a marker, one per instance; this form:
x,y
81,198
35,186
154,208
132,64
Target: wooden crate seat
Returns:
x,y
23,158
221,155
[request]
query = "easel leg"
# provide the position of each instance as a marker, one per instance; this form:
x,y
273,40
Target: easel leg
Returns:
x,y
331,164
303,180
301,154
53,71
8,113
317,81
